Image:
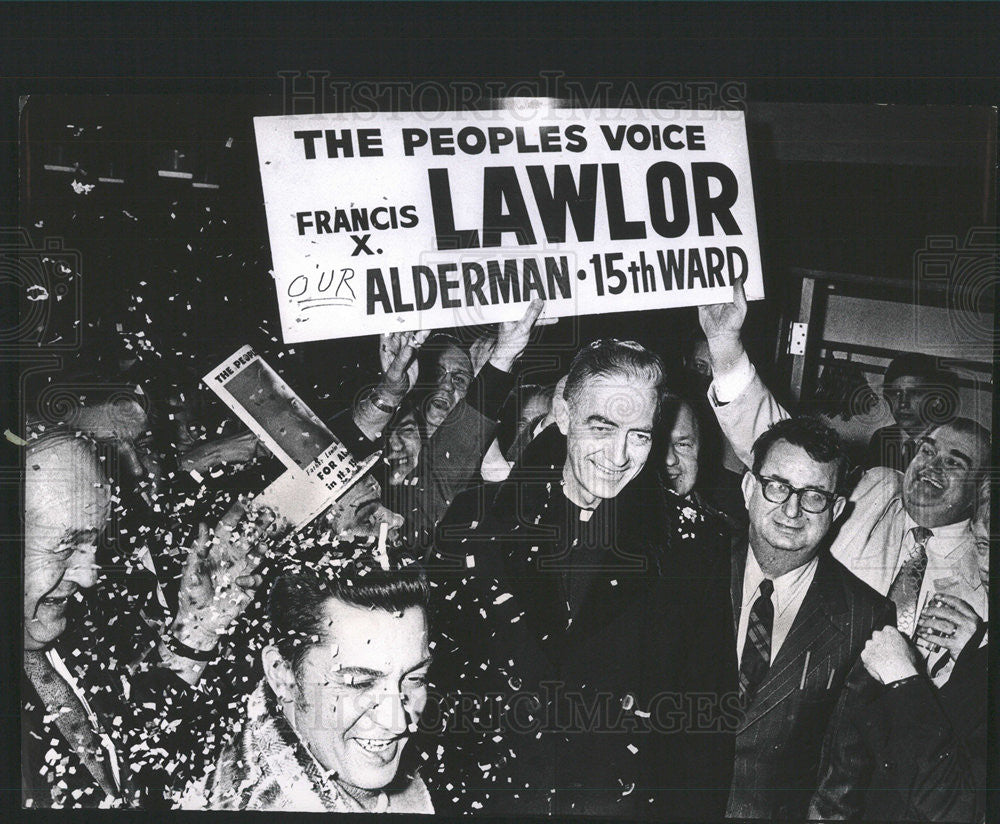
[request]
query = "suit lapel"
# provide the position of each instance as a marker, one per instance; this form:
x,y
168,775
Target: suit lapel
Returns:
x,y
739,563
816,629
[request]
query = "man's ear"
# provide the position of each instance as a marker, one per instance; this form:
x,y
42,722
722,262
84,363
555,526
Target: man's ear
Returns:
x,y
560,408
838,506
747,484
278,673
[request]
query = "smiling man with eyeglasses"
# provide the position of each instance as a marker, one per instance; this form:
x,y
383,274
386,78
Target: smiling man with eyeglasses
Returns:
x,y
801,619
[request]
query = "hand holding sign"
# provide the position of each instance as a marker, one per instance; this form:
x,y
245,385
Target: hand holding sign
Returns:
x,y
722,324
513,336
210,454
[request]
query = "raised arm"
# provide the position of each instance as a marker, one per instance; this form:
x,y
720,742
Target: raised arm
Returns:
x,y
455,451
397,353
219,580
744,407
173,716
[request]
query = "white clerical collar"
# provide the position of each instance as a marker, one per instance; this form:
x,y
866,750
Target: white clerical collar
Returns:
x,y
585,514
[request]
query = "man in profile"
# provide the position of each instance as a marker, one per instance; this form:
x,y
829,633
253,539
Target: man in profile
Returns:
x,y
65,759
96,730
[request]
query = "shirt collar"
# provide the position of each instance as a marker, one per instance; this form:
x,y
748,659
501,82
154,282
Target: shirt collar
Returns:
x,y
786,586
953,542
944,539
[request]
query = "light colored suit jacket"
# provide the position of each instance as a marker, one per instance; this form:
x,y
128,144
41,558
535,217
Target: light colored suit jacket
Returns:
x,y
869,537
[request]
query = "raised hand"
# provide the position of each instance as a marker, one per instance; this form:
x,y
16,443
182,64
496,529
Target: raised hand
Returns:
x,y
722,323
513,335
397,353
725,319
220,576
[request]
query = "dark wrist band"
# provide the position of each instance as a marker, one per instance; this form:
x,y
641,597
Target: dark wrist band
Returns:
x,y
376,400
903,681
185,651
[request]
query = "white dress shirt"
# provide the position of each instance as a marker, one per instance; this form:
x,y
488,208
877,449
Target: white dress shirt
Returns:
x,y
789,591
949,566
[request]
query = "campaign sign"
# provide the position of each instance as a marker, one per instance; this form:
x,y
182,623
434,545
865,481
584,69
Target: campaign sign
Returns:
x,y
320,469
394,222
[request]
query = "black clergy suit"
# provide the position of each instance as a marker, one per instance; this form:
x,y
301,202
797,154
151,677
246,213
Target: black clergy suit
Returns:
x,y
780,739
600,669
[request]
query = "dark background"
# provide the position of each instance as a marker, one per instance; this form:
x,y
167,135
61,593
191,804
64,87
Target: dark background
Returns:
x,y
861,210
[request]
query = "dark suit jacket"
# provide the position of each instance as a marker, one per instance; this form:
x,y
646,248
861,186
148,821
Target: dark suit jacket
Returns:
x,y
52,773
779,741
161,732
925,749
617,712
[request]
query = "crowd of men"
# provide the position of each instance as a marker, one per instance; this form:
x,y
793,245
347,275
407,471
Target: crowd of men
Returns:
x,y
610,596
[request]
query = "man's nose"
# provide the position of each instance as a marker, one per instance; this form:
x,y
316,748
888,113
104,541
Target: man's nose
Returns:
x,y
671,456
792,507
937,463
619,450
390,713
395,443
83,568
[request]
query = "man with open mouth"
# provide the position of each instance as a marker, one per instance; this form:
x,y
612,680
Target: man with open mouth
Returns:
x,y
920,394
97,718
344,687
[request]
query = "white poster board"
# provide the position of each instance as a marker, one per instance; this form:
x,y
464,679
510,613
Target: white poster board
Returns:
x,y
395,222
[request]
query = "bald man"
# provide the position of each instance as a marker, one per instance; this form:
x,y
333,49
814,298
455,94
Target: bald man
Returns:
x,y
80,728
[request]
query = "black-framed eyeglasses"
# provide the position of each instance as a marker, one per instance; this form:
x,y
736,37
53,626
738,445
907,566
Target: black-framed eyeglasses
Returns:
x,y
811,500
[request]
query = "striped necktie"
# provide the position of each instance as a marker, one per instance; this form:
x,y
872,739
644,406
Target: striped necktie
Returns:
x,y
757,648
905,588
